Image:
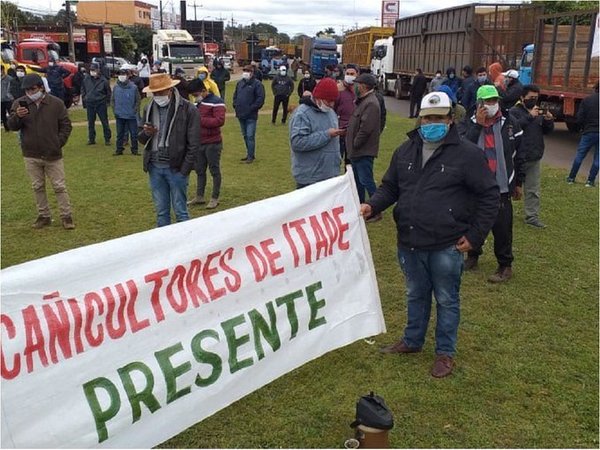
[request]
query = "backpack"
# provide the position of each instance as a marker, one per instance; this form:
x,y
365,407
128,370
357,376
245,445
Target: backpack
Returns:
x,y
371,411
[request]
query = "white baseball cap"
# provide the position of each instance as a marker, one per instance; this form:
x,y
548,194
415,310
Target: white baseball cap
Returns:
x,y
512,73
435,104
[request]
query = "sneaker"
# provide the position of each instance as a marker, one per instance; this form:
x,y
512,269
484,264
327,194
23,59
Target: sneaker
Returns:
x,y
67,223
375,218
442,367
589,184
570,180
196,201
249,161
399,347
212,204
502,274
41,222
471,263
91,143
118,154
244,159
536,223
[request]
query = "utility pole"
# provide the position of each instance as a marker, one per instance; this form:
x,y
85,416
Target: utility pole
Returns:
x,y
195,13
70,29
161,17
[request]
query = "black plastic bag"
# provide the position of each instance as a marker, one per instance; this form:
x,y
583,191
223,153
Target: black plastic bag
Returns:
x,y
371,411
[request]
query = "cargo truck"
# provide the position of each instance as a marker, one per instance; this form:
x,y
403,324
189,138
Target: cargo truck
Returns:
x,y
561,62
475,35
177,49
323,52
358,45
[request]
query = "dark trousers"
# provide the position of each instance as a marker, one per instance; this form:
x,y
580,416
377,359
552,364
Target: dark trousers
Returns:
x,y
280,99
502,231
209,156
345,159
5,110
415,101
100,110
126,128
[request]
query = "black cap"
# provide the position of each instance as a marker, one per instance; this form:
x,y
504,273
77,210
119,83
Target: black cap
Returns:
x,y
121,72
31,80
367,79
94,66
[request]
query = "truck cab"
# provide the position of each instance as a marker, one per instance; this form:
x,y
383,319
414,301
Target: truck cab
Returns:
x,y
177,49
271,58
525,74
323,53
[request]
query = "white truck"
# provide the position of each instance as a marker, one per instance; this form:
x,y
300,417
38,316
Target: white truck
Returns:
x,y
177,49
382,66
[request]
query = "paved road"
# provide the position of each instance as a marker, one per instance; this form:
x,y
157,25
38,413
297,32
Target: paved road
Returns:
x,y
561,145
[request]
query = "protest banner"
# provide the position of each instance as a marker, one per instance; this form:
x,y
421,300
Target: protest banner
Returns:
x,y
128,342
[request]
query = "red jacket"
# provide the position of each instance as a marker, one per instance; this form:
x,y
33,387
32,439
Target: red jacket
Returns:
x,y
212,118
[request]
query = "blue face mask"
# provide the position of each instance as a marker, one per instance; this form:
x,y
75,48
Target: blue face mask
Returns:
x,y
202,76
434,132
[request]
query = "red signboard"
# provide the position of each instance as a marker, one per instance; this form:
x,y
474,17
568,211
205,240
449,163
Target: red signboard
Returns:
x,y
93,40
50,36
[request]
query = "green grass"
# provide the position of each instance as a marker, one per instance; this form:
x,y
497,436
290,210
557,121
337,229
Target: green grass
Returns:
x,y
527,362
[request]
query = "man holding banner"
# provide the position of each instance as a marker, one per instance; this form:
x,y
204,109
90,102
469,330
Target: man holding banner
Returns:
x,y
446,200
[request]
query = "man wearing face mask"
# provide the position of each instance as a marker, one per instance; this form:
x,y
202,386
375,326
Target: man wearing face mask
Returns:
x,y
7,97
125,102
417,90
436,82
77,82
282,87
204,76
143,69
362,138
55,74
452,81
17,90
95,95
446,200
499,138
212,119
513,91
344,105
170,137
315,136
220,75
248,98
535,124
45,127
469,97
306,84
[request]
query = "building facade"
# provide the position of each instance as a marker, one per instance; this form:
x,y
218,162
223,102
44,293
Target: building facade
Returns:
x,y
119,12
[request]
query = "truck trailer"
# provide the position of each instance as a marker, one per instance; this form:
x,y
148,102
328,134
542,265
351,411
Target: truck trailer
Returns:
x,y
561,62
358,45
476,35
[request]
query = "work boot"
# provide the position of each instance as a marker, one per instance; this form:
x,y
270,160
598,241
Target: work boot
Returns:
x,y
196,201
212,204
471,263
67,223
41,222
442,367
399,347
502,274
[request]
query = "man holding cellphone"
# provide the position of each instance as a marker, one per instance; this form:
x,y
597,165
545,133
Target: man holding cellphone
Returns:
x,y
45,127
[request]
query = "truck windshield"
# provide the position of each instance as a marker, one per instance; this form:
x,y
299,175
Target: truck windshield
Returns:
x,y
379,51
527,59
185,51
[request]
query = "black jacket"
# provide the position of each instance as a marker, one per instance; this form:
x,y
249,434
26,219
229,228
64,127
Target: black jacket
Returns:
x,y
512,95
419,87
306,84
282,86
453,195
587,115
534,128
248,98
511,142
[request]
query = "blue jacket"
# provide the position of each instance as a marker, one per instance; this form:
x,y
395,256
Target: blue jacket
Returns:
x,y
315,155
248,98
125,100
55,75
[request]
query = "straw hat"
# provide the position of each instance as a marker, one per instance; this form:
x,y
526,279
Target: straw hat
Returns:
x,y
160,82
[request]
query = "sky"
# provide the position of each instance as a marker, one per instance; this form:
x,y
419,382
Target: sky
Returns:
x,y
289,16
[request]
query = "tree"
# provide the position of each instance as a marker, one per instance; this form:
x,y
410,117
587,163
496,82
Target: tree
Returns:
x,y
552,7
124,43
283,38
143,37
61,17
12,17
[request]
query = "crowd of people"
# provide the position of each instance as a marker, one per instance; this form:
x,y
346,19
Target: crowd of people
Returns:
x,y
476,146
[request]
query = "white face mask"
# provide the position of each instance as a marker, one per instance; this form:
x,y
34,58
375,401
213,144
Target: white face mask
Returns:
x,y
20,74
246,75
199,99
35,97
349,79
50,63
323,107
122,78
162,100
491,110
93,73
307,75
283,73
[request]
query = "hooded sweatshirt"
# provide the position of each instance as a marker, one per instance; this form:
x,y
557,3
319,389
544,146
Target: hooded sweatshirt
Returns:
x,y
210,84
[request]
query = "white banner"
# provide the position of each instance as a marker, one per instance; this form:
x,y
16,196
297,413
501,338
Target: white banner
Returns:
x,y
128,342
596,43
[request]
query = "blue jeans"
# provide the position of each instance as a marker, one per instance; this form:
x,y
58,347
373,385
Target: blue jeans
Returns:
x,y
436,272
248,127
363,175
588,141
125,127
99,109
168,188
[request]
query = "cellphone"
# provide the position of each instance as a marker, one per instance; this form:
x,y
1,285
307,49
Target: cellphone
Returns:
x,y
480,104
23,104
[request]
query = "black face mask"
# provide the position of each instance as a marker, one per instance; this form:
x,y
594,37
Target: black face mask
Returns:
x,y
530,103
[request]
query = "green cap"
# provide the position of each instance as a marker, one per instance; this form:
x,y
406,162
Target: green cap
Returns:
x,y
487,91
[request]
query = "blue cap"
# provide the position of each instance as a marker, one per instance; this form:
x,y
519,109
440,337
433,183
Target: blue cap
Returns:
x,y
448,91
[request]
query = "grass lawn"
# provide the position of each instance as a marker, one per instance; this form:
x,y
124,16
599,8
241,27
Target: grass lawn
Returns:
x,y
527,362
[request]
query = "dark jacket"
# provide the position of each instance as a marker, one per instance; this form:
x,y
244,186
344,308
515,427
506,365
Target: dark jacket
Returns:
x,y
182,87
382,111
534,129
184,124
45,130
512,95
453,83
419,87
220,75
282,86
306,84
95,90
466,94
248,98
362,137
511,142
212,118
587,115
469,96
16,89
77,82
55,76
453,195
